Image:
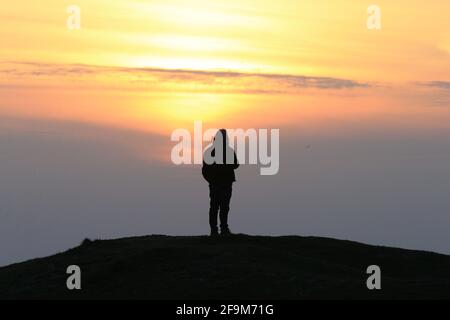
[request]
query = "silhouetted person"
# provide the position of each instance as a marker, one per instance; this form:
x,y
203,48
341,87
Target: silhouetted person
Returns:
x,y
219,163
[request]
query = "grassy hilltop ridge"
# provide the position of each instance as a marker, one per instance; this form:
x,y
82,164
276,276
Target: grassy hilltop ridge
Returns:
x,y
237,267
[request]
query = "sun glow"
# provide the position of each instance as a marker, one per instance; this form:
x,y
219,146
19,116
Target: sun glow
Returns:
x,y
197,13
181,109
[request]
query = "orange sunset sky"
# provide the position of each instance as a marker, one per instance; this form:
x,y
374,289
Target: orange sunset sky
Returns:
x,y
157,65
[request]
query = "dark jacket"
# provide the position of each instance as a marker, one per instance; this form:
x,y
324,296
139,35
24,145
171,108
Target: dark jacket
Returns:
x,y
219,173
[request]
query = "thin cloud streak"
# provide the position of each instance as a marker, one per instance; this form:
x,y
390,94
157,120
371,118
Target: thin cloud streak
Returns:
x,y
437,84
241,82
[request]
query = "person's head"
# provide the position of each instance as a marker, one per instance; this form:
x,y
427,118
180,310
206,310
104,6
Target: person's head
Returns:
x,y
221,137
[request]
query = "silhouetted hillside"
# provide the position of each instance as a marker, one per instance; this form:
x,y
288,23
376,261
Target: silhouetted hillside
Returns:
x,y
247,267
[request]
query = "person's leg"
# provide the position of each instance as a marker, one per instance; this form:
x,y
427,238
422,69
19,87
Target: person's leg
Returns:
x,y
214,204
225,197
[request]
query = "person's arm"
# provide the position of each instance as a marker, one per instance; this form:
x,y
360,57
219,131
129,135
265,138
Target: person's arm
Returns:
x,y
206,172
236,162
